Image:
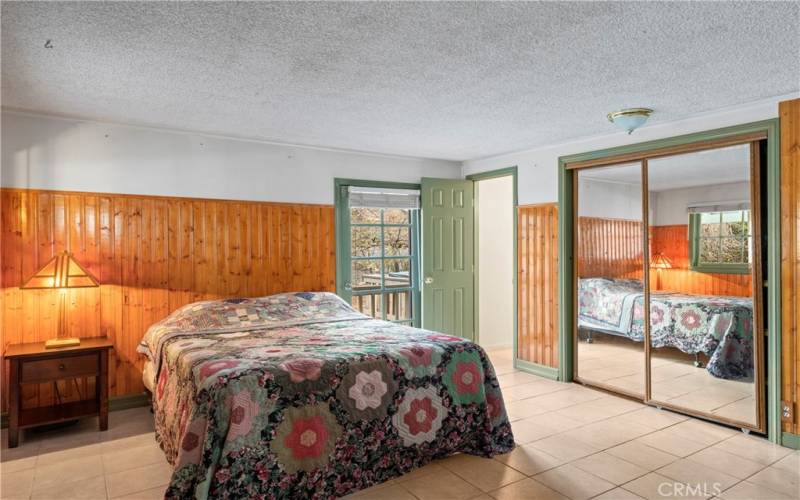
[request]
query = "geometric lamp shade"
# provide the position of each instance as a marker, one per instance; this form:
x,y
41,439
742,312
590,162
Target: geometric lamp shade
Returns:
x,y
660,261
62,271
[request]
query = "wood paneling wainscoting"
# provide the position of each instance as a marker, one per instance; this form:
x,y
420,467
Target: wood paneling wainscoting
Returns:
x,y
790,259
609,248
151,256
537,284
673,243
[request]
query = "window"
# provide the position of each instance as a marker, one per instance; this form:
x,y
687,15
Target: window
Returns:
x,y
720,242
383,253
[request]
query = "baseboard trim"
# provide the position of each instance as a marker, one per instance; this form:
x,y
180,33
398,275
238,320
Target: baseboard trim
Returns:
x,y
536,369
115,403
790,440
128,401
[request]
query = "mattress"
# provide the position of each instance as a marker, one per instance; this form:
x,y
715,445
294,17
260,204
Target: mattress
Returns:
x,y
302,396
720,327
149,376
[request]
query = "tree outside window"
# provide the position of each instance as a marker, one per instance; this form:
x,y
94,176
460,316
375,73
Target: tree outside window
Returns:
x,y
720,242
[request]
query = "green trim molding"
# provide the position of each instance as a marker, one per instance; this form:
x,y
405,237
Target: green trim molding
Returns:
x,y
536,369
566,283
566,265
115,403
482,176
790,440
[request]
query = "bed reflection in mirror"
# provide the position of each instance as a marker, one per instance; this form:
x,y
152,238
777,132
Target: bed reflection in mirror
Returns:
x,y
609,242
702,356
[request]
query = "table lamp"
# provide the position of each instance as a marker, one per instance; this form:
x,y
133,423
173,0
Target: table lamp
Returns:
x,y
659,262
60,273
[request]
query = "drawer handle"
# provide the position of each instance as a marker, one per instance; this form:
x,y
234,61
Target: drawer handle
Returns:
x,y
62,367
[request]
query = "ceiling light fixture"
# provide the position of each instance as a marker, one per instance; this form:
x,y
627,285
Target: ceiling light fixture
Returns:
x,y
630,119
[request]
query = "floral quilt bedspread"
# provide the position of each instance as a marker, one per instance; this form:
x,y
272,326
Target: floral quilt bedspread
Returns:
x,y
300,396
720,327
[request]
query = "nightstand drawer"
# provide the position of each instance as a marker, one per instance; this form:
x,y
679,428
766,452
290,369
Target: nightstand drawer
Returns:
x,y
43,370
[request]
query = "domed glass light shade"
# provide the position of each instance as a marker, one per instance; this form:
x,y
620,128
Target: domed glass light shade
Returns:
x,y
630,119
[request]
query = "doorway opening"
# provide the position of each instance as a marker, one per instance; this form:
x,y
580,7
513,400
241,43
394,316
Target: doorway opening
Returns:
x,y
378,249
496,260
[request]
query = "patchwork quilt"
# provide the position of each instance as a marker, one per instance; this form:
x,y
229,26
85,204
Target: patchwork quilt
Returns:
x,y
300,396
720,327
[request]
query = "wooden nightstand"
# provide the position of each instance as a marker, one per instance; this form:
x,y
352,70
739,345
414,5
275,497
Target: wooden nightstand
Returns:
x,y
33,364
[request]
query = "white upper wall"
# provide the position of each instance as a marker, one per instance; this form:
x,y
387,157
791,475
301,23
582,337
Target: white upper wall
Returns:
x,y
45,152
538,168
671,206
609,200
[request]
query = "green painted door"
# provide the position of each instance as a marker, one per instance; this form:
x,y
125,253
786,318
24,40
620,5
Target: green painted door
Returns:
x,y
447,256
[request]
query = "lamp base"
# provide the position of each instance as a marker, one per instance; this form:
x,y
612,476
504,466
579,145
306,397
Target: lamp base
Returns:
x,y
58,343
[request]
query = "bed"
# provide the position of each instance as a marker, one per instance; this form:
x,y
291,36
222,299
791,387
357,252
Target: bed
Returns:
x,y
719,327
300,396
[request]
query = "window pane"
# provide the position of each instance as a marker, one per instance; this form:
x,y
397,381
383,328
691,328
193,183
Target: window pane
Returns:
x,y
709,224
733,250
370,305
398,305
398,273
709,250
365,241
733,224
366,274
397,241
365,215
396,216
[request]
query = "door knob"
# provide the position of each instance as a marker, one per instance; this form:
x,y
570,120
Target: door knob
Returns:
x,y
348,286
428,280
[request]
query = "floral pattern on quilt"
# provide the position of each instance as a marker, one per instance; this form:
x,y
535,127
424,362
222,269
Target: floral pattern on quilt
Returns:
x,y
720,327
316,405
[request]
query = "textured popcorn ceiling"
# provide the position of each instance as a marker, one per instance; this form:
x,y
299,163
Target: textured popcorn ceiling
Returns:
x,y
442,80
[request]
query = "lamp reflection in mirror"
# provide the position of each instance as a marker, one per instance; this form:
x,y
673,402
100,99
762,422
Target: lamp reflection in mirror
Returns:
x,y
61,273
630,119
659,262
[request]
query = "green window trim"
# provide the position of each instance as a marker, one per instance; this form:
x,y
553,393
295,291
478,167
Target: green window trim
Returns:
x,y
709,267
344,257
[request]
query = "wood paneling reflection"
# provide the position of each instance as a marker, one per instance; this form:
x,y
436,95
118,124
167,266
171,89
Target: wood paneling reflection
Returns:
x,y
537,289
151,256
609,248
673,243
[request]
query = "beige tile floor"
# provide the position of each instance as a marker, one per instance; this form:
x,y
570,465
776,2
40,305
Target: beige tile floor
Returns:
x,y
574,443
619,362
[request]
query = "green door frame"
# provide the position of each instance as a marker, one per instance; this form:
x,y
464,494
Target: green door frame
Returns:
x,y
342,232
566,283
482,176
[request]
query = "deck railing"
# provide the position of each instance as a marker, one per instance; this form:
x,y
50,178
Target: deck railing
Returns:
x,y
398,303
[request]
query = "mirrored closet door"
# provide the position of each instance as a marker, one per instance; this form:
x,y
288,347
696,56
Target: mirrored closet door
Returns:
x,y
609,238
704,220
668,298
